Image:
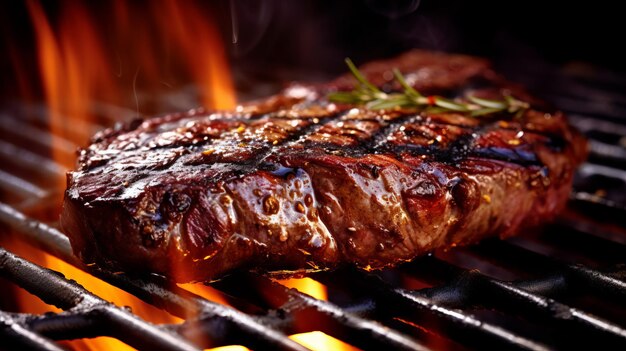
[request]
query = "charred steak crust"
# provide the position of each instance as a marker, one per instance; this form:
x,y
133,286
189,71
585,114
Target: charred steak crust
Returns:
x,y
294,183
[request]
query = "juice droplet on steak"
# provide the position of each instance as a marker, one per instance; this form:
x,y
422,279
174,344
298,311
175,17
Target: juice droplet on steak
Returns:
x,y
271,205
300,207
308,200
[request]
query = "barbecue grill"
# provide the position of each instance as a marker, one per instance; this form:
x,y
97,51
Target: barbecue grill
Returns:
x,y
559,288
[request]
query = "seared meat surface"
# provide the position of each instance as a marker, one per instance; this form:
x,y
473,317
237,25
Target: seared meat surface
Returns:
x,y
295,183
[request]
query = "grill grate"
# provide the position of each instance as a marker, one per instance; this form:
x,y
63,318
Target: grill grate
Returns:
x,y
561,288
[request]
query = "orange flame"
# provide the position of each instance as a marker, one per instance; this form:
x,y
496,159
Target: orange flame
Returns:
x,y
197,40
73,70
315,340
83,60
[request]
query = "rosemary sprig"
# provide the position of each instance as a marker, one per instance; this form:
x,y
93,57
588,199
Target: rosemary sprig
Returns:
x,y
366,93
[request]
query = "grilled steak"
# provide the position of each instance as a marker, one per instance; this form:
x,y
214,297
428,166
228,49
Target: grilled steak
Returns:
x,y
294,183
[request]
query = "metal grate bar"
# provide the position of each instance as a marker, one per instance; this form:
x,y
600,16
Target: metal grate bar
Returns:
x,y
35,136
475,288
57,290
588,169
606,283
19,186
66,325
221,325
458,325
31,160
15,335
234,325
590,124
40,114
596,200
577,275
338,322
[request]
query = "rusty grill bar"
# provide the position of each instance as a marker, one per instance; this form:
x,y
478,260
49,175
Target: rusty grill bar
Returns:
x,y
526,295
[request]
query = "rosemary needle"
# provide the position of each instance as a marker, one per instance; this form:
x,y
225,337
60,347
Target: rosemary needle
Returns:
x,y
366,93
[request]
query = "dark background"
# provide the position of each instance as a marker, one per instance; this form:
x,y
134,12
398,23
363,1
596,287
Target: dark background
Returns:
x,y
307,39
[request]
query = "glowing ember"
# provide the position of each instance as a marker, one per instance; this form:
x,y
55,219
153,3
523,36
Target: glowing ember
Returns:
x,y
321,341
307,286
315,340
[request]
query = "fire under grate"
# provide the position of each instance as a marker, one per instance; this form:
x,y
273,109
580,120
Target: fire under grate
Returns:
x,y
562,288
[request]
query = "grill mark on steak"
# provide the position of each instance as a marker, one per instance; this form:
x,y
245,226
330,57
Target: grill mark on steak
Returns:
x,y
377,143
294,184
555,141
458,150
